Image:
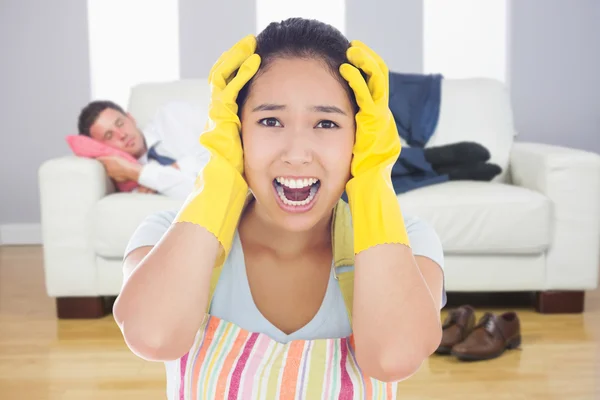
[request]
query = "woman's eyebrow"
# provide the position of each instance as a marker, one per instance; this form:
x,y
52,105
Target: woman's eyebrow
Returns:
x,y
269,107
328,109
319,108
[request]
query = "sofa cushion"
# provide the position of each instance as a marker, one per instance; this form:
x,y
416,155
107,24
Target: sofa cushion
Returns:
x,y
116,216
483,217
470,217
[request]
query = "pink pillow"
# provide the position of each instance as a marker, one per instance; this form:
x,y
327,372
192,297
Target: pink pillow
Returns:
x,y
85,146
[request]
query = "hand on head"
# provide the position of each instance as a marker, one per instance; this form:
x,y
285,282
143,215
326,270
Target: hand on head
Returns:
x,y
377,141
376,213
218,199
228,75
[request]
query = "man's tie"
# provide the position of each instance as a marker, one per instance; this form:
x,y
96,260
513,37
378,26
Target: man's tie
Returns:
x,y
163,160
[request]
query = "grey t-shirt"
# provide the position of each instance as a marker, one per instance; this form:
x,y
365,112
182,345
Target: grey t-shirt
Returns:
x,y
233,300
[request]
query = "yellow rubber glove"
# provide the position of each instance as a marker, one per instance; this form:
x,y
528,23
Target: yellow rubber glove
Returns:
x,y
220,190
376,215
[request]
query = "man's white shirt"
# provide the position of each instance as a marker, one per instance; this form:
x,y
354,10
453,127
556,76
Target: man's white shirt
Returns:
x,y
174,132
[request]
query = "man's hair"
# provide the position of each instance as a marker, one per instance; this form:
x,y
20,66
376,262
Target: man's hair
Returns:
x,y
301,38
89,114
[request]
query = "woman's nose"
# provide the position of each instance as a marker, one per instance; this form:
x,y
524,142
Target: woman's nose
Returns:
x,y
298,149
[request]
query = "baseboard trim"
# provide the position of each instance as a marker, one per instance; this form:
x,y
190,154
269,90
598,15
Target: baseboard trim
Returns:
x,y
20,234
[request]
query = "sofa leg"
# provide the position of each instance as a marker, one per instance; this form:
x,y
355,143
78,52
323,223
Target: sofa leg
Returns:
x,y
559,302
82,307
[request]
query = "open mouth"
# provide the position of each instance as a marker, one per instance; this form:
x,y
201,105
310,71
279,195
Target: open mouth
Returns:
x,y
298,193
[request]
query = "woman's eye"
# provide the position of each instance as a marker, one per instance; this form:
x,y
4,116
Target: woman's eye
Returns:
x,y
327,125
269,122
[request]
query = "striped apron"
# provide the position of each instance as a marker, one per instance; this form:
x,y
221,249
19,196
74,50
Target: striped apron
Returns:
x,y
227,362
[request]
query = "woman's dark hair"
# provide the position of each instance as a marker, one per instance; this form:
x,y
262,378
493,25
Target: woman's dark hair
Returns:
x,y
301,38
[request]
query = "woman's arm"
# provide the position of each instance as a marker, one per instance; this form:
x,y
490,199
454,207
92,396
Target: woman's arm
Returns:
x,y
396,321
434,277
162,302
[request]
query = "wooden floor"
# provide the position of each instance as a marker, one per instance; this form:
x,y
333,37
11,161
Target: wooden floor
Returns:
x,y
43,358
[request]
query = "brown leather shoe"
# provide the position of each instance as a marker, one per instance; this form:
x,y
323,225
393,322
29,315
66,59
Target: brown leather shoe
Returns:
x,y
492,335
456,328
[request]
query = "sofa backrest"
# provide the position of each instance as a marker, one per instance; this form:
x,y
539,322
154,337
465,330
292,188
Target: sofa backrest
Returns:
x,y
477,110
146,98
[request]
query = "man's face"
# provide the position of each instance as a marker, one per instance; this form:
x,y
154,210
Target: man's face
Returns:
x,y
118,131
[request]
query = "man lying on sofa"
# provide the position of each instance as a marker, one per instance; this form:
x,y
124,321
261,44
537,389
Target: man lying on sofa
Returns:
x,y
167,149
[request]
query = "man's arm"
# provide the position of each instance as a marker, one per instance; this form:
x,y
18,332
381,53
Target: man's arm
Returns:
x,y
119,169
167,180
144,189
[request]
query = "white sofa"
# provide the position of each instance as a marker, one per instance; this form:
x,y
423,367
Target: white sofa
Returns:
x,y
535,228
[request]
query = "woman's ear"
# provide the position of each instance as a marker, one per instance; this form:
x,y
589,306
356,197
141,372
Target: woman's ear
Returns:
x,y
241,118
242,137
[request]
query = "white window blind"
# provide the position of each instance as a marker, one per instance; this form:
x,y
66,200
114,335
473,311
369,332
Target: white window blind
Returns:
x,y
131,42
332,12
465,38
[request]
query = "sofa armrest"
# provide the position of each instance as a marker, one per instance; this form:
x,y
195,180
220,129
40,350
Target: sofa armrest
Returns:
x,y
69,189
571,180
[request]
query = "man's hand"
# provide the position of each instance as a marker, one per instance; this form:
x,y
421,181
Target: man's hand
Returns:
x,y
119,169
144,189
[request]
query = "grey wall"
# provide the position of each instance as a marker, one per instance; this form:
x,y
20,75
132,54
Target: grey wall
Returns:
x,y
397,33
553,68
394,29
554,71
44,80
208,28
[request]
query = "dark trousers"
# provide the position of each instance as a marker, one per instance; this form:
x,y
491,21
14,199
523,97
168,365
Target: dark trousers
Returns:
x,y
412,171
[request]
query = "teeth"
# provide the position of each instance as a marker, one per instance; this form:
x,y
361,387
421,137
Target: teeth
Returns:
x,y
296,183
304,202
